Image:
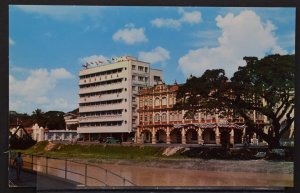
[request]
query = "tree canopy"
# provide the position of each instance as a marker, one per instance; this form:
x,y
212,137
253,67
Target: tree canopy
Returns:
x,y
266,86
51,119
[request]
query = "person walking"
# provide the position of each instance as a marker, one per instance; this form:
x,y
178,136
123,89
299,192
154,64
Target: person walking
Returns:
x,y
18,162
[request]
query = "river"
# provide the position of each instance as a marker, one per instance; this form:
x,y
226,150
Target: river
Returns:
x,y
142,175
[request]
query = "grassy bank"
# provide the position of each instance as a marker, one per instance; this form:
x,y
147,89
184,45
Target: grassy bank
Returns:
x,y
98,151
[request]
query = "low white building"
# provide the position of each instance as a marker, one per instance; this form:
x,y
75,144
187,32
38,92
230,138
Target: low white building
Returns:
x,y
61,135
38,133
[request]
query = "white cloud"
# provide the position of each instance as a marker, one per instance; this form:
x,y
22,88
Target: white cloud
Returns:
x,y
93,58
36,88
130,35
157,55
62,13
169,23
191,18
242,35
11,42
60,73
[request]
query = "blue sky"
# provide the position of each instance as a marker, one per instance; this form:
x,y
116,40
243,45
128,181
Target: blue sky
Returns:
x,y
48,44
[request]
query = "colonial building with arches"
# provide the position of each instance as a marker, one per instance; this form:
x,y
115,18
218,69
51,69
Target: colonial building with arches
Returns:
x,y
158,122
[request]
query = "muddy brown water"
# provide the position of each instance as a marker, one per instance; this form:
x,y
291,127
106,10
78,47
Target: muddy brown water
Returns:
x,y
100,174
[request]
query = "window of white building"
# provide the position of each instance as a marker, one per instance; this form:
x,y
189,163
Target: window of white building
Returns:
x,y
141,103
141,68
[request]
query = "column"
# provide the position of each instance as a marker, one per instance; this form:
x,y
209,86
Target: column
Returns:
x,y
168,135
232,137
218,141
244,135
183,137
138,136
168,116
200,139
254,139
153,136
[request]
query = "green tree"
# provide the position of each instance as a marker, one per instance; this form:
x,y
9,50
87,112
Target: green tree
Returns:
x,y
38,116
55,120
266,86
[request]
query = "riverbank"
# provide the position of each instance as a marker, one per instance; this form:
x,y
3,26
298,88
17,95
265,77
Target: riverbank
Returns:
x,y
210,159
253,166
146,152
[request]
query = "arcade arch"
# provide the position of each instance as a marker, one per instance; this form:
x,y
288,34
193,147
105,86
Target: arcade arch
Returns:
x,y
175,135
146,136
161,136
191,136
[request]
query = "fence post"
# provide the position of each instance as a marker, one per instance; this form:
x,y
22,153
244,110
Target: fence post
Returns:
x,y
124,181
46,165
85,176
105,176
66,168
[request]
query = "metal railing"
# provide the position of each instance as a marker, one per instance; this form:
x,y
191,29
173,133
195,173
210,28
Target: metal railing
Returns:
x,y
83,173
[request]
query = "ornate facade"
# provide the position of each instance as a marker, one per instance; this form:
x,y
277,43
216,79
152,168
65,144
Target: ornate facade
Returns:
x,y
159,123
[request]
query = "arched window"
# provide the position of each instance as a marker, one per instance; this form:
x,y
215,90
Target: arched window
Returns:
x,y
150,102
174,117
164,101
157,118
164,117
179,117
196,116
171,101
156,103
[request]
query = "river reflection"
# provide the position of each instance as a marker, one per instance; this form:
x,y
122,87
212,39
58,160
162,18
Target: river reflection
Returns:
x,y
152,176
149,176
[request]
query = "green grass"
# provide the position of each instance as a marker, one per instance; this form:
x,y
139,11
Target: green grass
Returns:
x,y
100,151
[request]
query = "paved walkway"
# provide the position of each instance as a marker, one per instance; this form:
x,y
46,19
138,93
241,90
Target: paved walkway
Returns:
x,y
40,181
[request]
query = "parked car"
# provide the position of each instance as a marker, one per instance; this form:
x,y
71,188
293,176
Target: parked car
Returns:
x,y
112,140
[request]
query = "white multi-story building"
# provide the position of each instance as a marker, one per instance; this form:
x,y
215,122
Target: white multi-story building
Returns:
x,y
107,92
